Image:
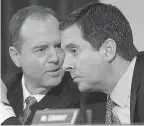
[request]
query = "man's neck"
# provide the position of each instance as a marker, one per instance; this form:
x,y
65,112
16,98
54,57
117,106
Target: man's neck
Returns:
x,y
119,67
34,87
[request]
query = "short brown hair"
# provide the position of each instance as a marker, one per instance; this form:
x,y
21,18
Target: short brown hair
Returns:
x,y
98,22
20,16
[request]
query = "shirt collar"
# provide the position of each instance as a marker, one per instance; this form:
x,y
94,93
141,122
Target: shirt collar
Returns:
x,y
26,93
121,91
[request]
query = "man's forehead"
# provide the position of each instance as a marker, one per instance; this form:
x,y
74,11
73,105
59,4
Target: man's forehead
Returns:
x,y
71,35
40,24
68,40
73,30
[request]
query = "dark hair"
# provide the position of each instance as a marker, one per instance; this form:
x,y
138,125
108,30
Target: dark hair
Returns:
x,y
19,18
98,22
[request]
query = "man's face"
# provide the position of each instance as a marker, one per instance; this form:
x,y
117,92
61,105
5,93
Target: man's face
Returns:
x,y
86,66
41,57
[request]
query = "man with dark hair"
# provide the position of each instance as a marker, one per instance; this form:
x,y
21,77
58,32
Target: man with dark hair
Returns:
x,y
101,57
36,48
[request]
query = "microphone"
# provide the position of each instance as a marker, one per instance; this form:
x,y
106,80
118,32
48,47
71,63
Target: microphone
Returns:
x,y
89,116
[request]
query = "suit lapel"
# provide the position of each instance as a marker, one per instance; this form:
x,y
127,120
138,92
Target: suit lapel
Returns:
x,y
132,105
54,102
136,80
15,95
65,95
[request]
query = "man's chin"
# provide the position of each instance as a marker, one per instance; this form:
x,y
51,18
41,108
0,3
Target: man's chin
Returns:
x,y
53,81
83,88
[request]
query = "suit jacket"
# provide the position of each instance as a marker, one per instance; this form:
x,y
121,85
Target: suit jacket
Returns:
x,y
11,121
97,102
137,91
65,95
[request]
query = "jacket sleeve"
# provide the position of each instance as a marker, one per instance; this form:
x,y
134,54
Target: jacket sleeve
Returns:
x,y
11,121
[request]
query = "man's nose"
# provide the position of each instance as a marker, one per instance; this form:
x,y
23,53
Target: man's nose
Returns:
x,y
67,64
53,57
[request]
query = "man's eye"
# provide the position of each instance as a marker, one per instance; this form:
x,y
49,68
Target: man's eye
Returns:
x,y
40,50
58,45
74,51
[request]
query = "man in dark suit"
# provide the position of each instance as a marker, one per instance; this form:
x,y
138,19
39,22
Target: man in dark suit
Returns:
x,y
36,48
101,57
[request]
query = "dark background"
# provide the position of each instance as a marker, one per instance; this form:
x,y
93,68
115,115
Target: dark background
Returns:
x,y
9,7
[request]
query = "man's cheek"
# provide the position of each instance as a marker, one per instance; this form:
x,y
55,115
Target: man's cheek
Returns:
x,y
35,66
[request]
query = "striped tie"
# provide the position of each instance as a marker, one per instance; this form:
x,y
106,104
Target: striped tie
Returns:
x,y
110,118
30,101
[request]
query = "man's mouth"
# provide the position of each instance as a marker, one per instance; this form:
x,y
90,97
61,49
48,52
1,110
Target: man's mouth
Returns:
x,y
54,72
75,77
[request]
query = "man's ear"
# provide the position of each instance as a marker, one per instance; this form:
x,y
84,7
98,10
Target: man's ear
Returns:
x,y
108,49
14,54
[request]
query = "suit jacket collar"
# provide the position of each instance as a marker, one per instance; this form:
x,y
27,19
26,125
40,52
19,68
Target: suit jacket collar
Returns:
x,y
63,96
136,81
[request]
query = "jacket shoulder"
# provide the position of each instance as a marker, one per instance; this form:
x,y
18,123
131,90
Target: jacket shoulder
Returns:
x,y
14,79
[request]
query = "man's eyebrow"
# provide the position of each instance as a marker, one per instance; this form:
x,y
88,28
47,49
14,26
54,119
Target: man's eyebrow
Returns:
x,y
71,45
58,43
40,46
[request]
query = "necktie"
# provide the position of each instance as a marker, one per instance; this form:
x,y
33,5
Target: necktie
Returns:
x,y
30,101
110,118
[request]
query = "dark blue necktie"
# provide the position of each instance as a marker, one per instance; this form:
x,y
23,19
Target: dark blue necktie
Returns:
x,y
30,101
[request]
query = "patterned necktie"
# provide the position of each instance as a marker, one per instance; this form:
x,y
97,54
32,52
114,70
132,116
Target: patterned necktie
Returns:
x,y
30,101
110,118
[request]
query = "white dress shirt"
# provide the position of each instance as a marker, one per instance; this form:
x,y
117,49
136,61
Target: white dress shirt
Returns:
x,y
121,95
26,94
